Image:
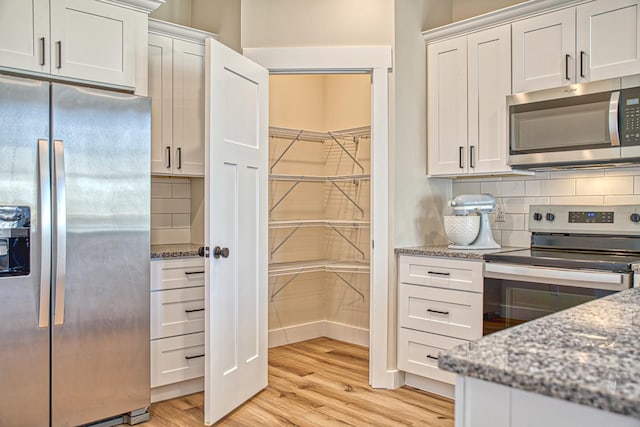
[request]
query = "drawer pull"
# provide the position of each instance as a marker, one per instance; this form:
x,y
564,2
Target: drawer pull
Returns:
x,y
431,357
194,357
437,273
193,272
445,313
194,310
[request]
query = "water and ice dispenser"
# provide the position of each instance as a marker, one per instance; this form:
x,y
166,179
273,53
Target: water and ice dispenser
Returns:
x,y
15,234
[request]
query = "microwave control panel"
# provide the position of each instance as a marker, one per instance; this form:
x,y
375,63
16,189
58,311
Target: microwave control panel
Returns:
x,y
630,117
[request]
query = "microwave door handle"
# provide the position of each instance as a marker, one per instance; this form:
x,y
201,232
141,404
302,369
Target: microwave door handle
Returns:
x,y
614,134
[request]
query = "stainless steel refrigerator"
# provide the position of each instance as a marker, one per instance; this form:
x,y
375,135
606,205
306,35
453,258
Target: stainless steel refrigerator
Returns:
x,y
74,253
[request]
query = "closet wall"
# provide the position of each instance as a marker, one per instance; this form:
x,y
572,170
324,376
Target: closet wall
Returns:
x,y
319,303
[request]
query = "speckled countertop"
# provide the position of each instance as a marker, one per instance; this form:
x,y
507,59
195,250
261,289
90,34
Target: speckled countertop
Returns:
x,y
174,251
588,354
444,251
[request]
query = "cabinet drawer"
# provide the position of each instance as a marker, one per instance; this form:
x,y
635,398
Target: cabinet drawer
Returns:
x,y
441,311
177,359
442,273
174,274
418,354
177,312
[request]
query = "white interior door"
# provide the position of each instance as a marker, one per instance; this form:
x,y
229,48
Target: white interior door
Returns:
x,y
236,223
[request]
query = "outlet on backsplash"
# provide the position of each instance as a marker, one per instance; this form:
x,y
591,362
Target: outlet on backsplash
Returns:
x,y
500,212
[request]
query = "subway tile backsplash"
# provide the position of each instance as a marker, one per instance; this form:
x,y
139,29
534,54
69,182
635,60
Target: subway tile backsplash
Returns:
x,y
170,210
569,187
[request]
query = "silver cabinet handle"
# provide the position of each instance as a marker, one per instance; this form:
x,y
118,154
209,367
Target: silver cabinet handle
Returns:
x,y
45,227
566,66
60,215
460,156
582,63
614,134
472,154
59,49
179,155
168,150
42,47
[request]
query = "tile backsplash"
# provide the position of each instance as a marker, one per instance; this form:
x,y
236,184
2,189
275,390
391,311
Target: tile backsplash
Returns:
x,y
170,210
578,187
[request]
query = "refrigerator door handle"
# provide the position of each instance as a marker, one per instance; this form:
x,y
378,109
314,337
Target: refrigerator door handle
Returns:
x,y
45,227
60,215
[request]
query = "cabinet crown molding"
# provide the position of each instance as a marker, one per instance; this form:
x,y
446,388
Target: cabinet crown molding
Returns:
x,y
146,6
498,17
176,31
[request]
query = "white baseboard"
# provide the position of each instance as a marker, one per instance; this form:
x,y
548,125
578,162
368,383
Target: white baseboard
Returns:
x,y
321,328
182,388
432,386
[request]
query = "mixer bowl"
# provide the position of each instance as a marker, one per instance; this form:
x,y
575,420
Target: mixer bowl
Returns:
x,y
461,229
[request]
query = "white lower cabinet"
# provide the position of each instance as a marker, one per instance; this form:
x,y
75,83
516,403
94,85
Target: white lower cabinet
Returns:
x,y
439,307
177,327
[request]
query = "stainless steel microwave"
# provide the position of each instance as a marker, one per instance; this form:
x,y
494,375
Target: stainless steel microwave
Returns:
x,y
574,126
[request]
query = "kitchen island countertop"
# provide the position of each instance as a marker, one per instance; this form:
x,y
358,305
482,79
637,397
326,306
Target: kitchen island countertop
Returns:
x,y
588,354
185,250
444,251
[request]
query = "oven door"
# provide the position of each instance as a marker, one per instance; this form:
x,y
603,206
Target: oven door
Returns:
x,y
515,294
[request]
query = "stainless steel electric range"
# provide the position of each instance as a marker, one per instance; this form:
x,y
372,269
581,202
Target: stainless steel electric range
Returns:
x,y
577,254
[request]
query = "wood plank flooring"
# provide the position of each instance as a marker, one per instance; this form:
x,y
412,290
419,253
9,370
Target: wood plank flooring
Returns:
x,y
321,382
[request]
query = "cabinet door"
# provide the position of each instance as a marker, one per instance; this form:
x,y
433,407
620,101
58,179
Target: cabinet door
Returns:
x,y
543,51
94,41
608,34
24,34
188,108
489,83
160,91
447,107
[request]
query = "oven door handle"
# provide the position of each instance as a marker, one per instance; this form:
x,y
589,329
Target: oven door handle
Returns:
x,y
559,276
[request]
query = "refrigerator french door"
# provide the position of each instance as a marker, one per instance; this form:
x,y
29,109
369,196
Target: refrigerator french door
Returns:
x,y
74,253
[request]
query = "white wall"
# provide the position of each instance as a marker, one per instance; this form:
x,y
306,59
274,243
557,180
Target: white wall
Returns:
x,y
277,23
176,11
463,9
516,194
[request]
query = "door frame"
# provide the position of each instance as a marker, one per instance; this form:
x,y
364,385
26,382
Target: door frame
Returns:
x,y
377,61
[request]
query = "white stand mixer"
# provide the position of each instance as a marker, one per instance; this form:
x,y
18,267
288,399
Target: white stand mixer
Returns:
x,y
483,204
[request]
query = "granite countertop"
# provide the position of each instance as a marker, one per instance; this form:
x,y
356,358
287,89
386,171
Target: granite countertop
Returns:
x,y
174,251
444,251
588,354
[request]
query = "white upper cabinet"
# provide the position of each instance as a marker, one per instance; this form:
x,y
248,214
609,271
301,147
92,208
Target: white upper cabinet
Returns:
x,y
176,88
608,39
469,78
543,51
447,107
592,41
86,40
24,35
489,83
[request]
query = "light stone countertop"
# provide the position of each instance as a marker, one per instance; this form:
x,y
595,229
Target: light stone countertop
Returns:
x,y
444,251
186,250
588,354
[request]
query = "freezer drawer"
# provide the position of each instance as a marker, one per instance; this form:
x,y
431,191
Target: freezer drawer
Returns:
x,y
441,311
418,354
176,312
179,273
177,359
441,273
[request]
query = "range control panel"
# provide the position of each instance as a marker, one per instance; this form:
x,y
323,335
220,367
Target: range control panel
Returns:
x,y
618,219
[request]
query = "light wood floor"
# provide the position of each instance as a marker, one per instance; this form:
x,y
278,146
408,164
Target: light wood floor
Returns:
x,y
321,382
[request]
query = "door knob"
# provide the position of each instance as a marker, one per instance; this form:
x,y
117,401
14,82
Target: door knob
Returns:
x,y
220,252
